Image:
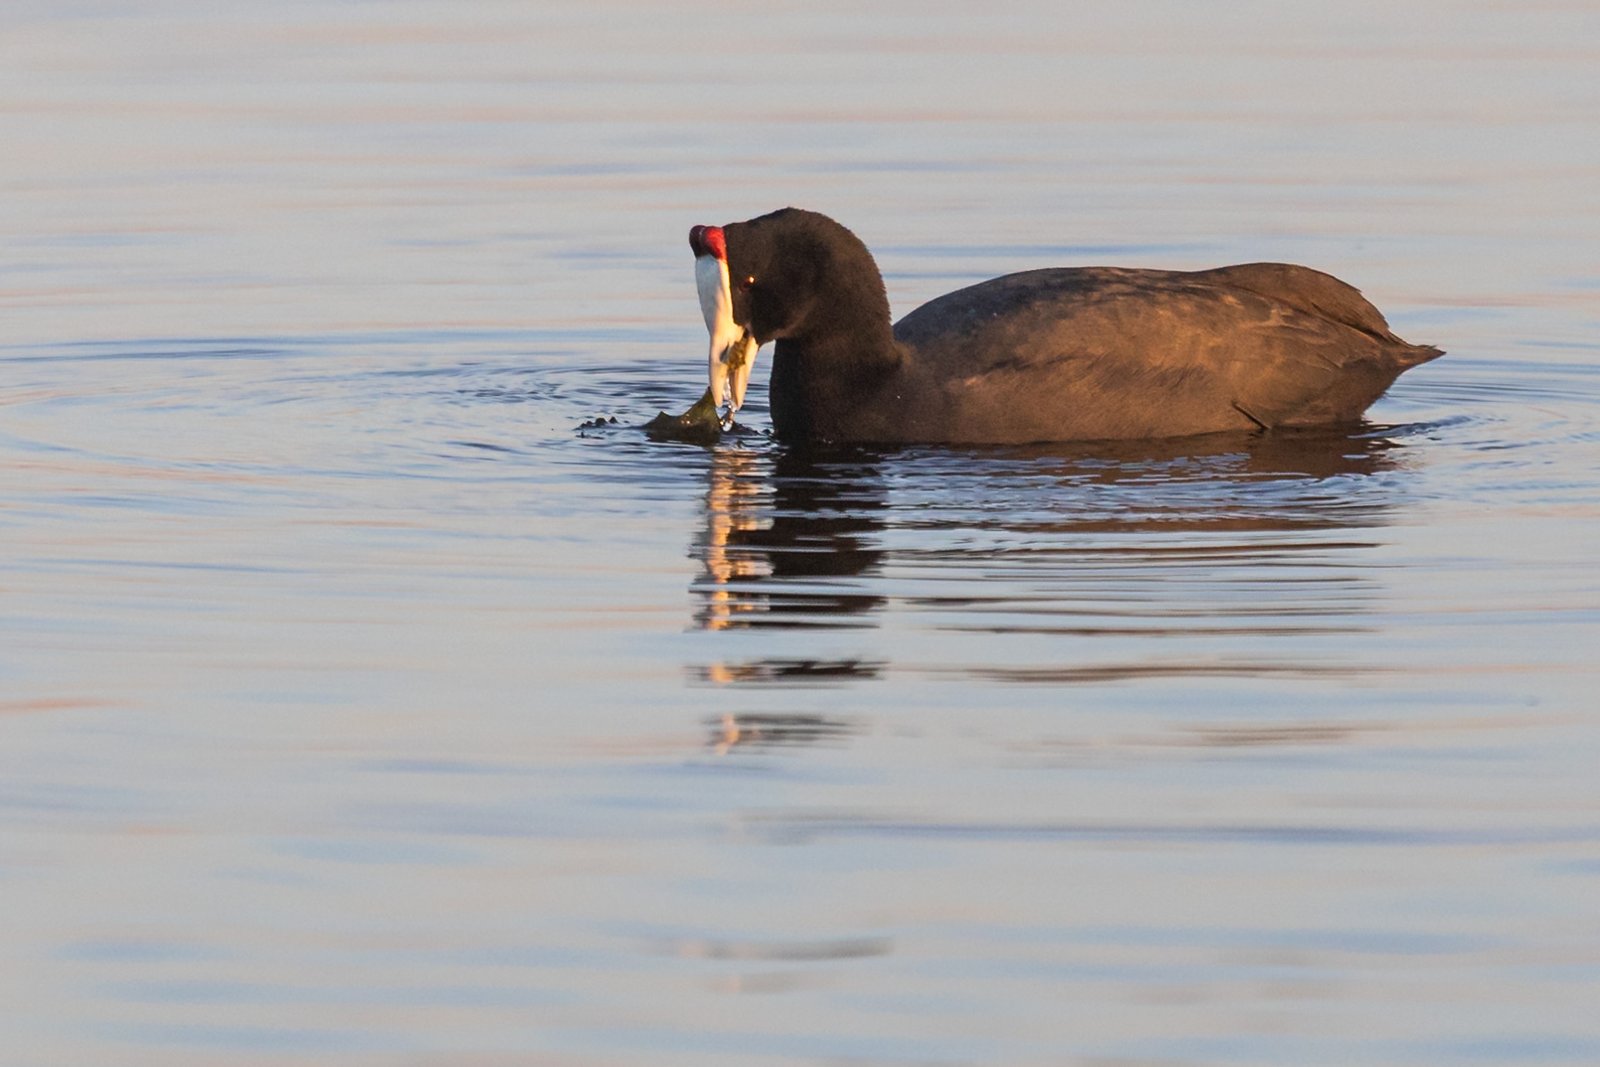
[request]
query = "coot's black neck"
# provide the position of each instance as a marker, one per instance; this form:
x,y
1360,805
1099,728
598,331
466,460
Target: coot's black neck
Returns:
x,y
828,375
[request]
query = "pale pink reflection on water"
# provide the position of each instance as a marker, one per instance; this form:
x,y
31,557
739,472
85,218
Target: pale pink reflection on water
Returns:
x,y
359,708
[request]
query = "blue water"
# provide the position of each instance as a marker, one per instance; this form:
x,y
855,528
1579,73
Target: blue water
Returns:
x,y
358,707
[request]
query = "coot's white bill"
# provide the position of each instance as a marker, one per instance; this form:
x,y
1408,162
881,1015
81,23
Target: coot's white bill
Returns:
x,y
731,355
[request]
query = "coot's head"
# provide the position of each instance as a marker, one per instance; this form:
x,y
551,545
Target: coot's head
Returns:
x,y
791,273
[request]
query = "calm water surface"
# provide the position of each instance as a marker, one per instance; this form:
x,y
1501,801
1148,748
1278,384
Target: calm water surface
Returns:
x,y
358,708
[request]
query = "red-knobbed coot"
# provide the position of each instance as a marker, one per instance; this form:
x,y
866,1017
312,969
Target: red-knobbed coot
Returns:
x,y
1061,354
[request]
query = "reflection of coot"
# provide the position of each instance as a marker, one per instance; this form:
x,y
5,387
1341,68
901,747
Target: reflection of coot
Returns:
x,y
1282,454
785,532
797,538
758,730
1281,481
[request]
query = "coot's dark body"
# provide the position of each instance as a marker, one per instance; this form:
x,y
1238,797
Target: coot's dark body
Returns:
x,y
1051,355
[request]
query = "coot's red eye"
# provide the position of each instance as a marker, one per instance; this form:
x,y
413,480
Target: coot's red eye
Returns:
x,y
748,284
